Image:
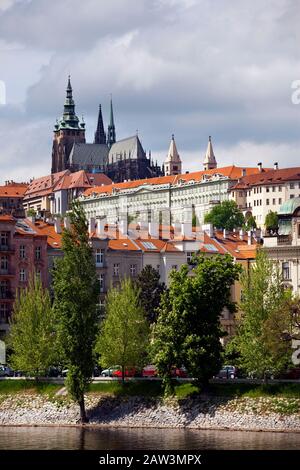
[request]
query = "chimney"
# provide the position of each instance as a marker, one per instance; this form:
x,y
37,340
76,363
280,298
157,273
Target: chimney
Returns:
x,y
101,226
122,225
67,223
187,229
276,166
209,229
57,225
260,166
92,224
249,237
241,234
153,229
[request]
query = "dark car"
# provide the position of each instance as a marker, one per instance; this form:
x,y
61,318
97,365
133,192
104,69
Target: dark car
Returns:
x,y
6,371
227,372
291,374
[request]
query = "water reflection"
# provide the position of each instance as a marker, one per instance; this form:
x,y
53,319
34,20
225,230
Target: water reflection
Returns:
x,y
154,439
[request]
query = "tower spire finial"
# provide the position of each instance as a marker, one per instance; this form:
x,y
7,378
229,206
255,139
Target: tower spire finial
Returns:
x,y
111,132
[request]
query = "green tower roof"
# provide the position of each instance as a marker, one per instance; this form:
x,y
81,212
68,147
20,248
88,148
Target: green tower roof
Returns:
x,y
289,207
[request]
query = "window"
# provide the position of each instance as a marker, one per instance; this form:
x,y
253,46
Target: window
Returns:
x,y
116,269
133,270
268,190
299,231
101,282
38,253
22,275
280,188
286,270
292,185
268,202
241,193
189,256
260,202
254,203
274,202
273,189
4,239
22,251
3,313
292,196
280,201
3,264
99,257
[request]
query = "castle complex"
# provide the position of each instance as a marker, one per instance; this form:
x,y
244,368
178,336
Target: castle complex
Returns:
x,y
119,160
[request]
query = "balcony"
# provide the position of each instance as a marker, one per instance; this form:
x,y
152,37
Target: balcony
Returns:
x,y
6,249
6,295
284,240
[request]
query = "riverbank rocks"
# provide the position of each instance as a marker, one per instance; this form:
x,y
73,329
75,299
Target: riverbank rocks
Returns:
x,y
264,413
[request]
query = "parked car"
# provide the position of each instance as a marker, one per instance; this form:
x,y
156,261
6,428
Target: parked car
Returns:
x,y
129,372
291,374
109,371
6,371
179,372
227,372
149,371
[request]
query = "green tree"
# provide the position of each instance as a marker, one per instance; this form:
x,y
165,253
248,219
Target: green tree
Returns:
x,y
226,215
32,336
76,291
123,338
263,296
150,289
250,222
188,329
271,222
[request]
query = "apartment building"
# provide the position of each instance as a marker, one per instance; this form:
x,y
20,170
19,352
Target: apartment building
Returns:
x,y
23,252
266,191
11,198
283,248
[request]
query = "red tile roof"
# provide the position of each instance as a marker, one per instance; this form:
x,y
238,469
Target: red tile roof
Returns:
x,y
44,186
269,177
6,218
232,172
13,190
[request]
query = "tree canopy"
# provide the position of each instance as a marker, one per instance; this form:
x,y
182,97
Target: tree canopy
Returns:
x,y
271,222
32,336
226,215
76,292
188,330
150,291
123,338
263,297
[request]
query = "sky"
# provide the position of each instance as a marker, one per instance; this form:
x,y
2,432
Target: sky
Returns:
x,y
194,68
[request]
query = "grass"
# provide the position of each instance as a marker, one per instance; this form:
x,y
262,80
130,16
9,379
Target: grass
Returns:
x,y
8,387
256,391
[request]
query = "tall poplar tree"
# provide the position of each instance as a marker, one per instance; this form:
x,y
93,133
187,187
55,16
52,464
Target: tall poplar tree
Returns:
x,y
32,335
123,338
76,291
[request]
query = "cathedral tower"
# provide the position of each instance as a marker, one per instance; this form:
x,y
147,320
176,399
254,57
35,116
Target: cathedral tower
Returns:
x,y
100,137
67,131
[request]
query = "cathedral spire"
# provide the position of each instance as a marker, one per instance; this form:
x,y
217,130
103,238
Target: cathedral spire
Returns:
x,y
111,133
210,161
69,119
100,137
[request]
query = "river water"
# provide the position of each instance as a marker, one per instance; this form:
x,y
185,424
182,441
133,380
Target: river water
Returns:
x,y
45,438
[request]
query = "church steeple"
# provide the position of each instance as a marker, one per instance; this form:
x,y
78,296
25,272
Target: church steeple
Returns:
x,y
100,137
210,161
69,119
172,163
111,133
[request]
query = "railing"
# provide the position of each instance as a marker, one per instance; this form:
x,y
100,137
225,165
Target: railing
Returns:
x,y
284,240
6,294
